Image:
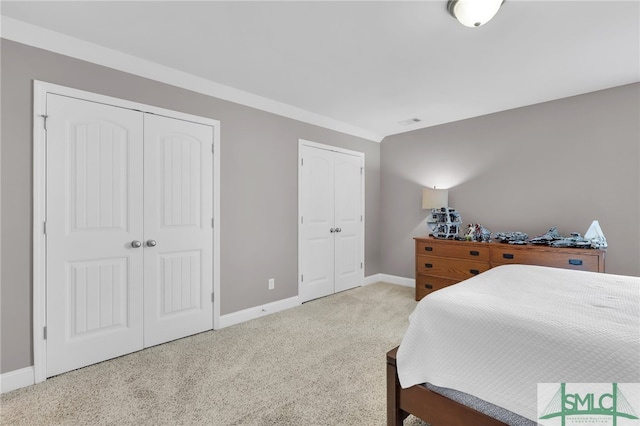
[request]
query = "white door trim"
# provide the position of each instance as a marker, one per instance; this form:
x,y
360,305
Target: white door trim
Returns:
x,y
40,91
303,142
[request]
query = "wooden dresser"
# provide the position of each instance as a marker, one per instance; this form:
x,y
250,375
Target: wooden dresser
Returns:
x,y
440,263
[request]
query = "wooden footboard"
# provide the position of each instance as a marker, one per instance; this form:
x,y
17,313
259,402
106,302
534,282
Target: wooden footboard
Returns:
x,y
427,405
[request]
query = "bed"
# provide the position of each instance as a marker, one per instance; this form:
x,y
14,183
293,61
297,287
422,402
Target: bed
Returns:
x,y
492,338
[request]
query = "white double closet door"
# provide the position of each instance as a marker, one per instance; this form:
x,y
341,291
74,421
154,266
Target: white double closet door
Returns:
x,y
331,231
128,231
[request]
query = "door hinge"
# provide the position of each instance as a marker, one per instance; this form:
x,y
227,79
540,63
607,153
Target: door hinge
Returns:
x,y
44,228
360,218
212,222
212,151
302,220
302,161
213,297
361,170
44,116
45,333
360,265
302,278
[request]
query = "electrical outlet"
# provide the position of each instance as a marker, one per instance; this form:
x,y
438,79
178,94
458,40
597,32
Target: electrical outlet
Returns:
x,y
272,283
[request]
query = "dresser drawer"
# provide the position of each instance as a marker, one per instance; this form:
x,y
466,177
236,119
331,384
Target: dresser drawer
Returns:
x,y
567,260
459,250
426,284
455,269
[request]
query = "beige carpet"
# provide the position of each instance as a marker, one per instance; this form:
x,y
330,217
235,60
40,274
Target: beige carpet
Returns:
x,y
322,363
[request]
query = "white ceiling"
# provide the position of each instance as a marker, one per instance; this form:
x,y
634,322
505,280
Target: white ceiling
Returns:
x,y
369,64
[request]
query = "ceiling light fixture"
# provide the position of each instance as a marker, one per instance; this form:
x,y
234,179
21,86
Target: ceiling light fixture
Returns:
x,y
473,13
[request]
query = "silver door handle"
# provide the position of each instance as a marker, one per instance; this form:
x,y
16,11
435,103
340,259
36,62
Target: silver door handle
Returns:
x,y
338,229
332,230
136,244
151,243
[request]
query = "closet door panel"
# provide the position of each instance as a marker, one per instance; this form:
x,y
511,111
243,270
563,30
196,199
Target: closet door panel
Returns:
x,y
348,221
178,230
317,236
94,214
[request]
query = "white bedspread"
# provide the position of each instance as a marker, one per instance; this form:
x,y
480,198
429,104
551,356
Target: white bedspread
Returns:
x,y
500,333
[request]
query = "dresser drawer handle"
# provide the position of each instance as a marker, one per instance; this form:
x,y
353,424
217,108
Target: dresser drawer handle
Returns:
x,y
507,255
575,262
429,286
428,265
474,271
474,253
427,248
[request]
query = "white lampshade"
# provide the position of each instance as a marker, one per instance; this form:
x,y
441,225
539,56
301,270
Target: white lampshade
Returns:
x,y
435,198
473,13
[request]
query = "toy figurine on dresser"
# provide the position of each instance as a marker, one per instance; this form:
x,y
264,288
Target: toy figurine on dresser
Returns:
x,y
444,223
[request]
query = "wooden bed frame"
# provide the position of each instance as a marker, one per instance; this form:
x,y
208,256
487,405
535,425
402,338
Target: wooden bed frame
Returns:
x,y
427,405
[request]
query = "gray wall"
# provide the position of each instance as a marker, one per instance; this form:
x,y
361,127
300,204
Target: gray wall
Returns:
x,y
258,178
562,163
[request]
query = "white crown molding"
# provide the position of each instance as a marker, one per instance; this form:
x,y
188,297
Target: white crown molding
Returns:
x,y
22,32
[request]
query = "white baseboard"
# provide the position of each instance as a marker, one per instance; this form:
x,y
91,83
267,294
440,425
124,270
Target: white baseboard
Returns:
x,y
391,279
258,311
17,379
372,279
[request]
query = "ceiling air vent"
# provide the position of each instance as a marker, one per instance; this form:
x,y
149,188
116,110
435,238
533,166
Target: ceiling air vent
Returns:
x,y
409,121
